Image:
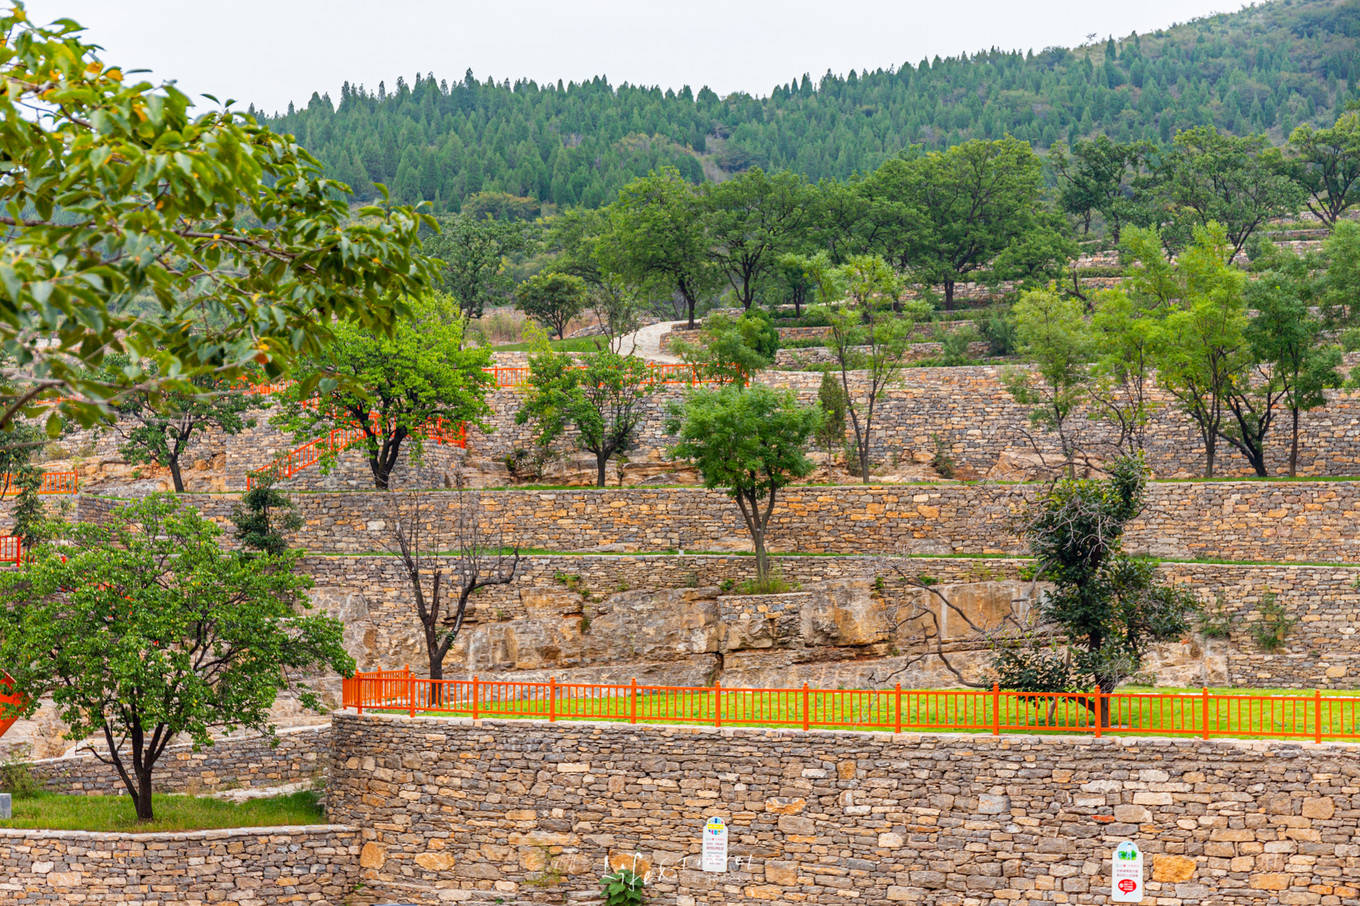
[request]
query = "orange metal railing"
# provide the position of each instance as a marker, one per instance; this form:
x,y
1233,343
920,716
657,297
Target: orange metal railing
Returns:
x,y
52,483
340,440
11,550
8,697
1305,716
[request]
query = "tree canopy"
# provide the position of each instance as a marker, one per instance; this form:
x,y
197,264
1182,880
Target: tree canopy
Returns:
x,y
142,628
192,244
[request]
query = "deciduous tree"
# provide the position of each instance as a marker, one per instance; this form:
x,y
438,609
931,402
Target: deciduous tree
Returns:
x,y
552,299
604,401
394,389
749,443
142,628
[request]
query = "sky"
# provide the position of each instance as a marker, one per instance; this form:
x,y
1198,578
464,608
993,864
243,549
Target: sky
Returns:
x,y
270,53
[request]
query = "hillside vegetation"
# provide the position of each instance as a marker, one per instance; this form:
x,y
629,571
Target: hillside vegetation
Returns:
x,y
1265,69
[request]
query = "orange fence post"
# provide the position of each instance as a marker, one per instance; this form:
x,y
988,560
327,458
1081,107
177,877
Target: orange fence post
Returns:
x,y
996,709
359,693
476,687
552,698
1098,721
410,693
717,703
807,718
632,707
1317,719
897,716
1204,711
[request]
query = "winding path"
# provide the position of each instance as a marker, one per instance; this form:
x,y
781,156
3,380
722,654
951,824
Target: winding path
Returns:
x,y
646,342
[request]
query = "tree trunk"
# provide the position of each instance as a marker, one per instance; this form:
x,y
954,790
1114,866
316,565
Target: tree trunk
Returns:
x,y
175,475
949,295
142,800
1294,441
1209,450
762,559
601,460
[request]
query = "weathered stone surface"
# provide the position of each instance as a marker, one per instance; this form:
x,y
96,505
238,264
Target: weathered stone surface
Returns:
x,y
919,819
317,865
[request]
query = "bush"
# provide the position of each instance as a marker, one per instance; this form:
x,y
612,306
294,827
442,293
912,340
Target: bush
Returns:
x,y
1273,627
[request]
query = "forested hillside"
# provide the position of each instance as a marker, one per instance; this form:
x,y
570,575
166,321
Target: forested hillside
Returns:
x,y
1265,69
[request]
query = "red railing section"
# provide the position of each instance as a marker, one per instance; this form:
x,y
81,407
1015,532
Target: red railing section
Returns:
x,y
11,550
1305,716
8,697
659,373
52,483
341,439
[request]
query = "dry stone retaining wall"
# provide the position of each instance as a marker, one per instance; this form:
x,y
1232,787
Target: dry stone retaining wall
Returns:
x,y
317,865
1246,521
230,763
535,812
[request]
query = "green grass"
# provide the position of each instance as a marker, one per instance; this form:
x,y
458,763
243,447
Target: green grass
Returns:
x,y
56,811
1255,713
570,344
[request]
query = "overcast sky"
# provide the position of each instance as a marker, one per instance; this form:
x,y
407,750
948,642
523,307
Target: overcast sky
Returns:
x,y
270,52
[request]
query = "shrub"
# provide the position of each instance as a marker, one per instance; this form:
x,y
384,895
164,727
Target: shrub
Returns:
x,y
1271,630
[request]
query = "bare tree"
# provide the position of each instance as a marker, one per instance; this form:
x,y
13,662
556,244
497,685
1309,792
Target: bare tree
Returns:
x,y
446,566
930,610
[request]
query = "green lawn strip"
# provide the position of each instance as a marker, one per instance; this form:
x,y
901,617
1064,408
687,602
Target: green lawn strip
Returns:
x,y
1253,713
570,344
58,811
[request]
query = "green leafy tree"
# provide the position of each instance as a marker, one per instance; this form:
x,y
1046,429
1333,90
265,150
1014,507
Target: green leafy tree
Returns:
x,y
604,401
733,349
552,299
1105,607
1326,164
616,303
395,389
1124,334
656,233
972,211
752,218
1097,177
22,479
751,444
165,427
1341,281
262,517
1053,336
193,244
1235,182
1288,339
868,339
471,255
142,628
831,400
1201,349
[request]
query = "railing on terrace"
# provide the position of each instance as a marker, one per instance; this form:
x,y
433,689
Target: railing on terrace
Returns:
x,y
8,697
1305,716
52,483
658,372
338,441
11,550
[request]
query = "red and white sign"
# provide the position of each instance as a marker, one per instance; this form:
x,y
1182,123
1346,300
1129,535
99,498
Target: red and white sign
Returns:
x,y
1126,874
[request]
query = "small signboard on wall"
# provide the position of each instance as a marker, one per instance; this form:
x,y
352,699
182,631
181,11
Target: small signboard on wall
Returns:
x,y
715,845
1126,874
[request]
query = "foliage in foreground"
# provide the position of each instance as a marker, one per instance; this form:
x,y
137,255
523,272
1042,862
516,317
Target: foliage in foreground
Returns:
x,y
142,628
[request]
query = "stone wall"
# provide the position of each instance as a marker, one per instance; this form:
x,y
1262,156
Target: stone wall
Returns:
x,y
677,620
240,762
964,410
1247,521
317,865
813,356
537,812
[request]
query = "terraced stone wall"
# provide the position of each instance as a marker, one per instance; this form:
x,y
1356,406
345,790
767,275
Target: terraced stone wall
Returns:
x,y
537,812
